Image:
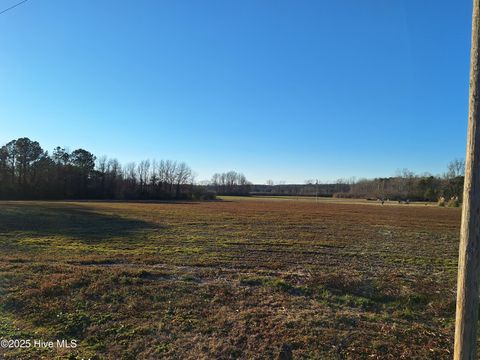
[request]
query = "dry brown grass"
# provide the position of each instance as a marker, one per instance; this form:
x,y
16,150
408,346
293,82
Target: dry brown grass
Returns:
x,y
229,279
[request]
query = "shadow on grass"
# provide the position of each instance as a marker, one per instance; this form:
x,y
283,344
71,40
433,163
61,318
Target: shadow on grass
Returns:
x,y
69,221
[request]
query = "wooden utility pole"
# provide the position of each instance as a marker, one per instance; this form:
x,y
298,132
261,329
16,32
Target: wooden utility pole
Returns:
x,y
469,252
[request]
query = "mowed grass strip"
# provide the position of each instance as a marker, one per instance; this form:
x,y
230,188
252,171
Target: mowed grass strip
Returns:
x,y
229,279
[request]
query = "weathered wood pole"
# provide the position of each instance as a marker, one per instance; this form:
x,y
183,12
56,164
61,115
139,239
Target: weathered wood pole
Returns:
x,y
469,252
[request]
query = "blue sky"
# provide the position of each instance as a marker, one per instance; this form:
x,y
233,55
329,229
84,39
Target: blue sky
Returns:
x,y
282,90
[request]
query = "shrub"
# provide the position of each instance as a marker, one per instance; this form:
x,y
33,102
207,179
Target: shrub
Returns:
x,y
441,201
453,202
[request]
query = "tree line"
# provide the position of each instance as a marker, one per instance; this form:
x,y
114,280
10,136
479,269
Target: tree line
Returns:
x,y
29,172
404,185
309,188
230,183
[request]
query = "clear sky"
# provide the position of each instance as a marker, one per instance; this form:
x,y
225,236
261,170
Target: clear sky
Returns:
x,y
282,90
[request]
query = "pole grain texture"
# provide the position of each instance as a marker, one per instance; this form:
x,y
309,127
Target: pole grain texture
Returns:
x,y
469,251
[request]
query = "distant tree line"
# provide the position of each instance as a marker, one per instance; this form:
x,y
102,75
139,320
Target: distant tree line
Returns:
x,y
230,183
29,172
308,189
405,185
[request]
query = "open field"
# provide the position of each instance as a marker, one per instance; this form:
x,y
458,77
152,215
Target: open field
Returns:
x,y
230,279
323,200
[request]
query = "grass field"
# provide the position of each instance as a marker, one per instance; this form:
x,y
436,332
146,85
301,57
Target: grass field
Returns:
x,y
230,279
